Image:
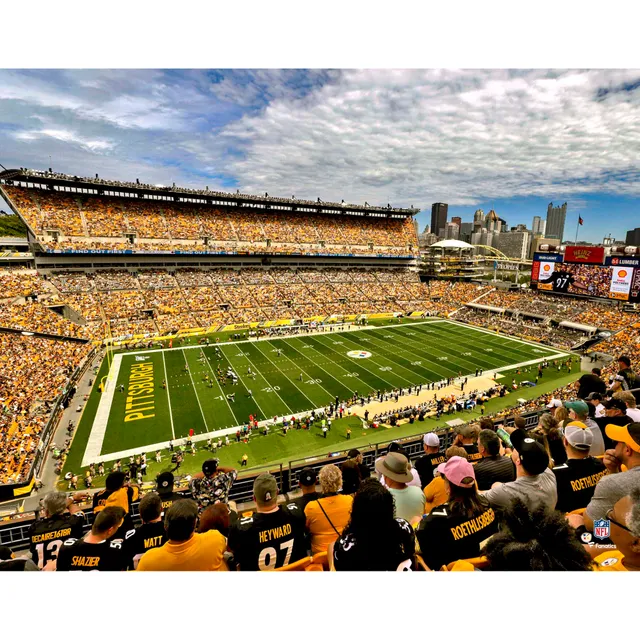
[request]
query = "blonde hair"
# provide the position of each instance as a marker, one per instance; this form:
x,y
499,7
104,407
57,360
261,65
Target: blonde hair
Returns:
x,y
330,478
627,397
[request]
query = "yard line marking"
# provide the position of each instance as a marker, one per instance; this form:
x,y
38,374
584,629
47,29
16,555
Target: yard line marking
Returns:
x,y
164,362
224,395
268,384
101,419
195,391
290,379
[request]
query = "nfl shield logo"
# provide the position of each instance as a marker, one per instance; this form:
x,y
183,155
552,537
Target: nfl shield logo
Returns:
x,y
601,529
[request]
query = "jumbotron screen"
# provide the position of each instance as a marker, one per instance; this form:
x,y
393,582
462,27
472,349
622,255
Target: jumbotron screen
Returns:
x,y
587,273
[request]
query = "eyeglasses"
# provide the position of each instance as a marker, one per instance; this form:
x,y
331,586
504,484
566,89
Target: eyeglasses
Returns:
x,y
608,517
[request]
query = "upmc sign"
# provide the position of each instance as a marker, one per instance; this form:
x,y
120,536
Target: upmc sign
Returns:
x,y
585,255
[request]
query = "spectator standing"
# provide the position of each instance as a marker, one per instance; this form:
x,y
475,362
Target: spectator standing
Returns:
x,y
577,478
326,517
307,480
455,530
271,538
409,500
534,484
625,379
374,539
185,550
591,383
213,484
493,467
432,457
356,455
164,487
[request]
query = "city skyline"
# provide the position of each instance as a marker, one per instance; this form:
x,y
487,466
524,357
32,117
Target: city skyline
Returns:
x,y
511,140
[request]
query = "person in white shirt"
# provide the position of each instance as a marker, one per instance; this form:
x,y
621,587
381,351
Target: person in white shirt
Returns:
x,y
595,399
409,500
395,447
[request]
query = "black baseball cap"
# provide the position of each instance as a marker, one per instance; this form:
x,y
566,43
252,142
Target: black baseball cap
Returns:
x,y
308,477
210,466
615,403
165,482
533,456
594,395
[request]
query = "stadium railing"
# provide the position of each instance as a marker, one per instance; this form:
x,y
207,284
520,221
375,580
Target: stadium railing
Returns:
x,y
15,535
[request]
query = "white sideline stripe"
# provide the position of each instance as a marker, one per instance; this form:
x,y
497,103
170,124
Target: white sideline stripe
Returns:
x,y
99,427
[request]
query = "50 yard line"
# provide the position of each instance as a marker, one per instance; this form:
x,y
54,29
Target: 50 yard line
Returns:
x,y
164,362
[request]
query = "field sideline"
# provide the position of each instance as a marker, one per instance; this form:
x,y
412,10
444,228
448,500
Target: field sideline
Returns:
x,y
396,356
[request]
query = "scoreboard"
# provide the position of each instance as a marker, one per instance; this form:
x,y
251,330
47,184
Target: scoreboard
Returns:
x,y
585,271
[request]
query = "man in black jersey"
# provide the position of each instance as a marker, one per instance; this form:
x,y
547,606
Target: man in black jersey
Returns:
x,y
431,458
576,479
164,484
151,533
62,520
273,537
96,552
467,438
10,563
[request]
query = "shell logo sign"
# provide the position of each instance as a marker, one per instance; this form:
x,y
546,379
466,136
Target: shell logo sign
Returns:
x,y
622,273
546,268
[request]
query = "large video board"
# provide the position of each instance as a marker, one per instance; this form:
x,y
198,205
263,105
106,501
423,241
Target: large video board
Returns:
x,y
615,278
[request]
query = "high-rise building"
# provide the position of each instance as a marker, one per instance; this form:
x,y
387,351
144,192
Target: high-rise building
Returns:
x,y
633,237
452,231
539,226
514,244
439,217
478,217
556,217
457,220
466,229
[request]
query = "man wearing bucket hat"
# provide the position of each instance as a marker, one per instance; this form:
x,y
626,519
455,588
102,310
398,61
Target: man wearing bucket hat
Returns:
x,y
409,500
577,478
455,530
535,483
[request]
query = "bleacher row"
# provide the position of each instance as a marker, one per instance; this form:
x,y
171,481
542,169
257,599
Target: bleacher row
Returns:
x,y
14,535
105,223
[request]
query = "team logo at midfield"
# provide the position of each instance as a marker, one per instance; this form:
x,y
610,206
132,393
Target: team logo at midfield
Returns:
x,y
358,354
601,529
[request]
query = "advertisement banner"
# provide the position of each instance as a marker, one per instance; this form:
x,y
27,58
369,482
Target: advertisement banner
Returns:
x,y
547,257
584,255
535,271
621,278
545,278
616,261
634,293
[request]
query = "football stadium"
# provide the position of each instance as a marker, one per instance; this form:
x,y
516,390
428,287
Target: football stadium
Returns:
x,y
269,372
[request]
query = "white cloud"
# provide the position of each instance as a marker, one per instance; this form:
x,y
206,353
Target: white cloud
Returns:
x,y
65,136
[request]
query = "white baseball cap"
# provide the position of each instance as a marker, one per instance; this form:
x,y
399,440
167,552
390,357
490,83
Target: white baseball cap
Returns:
x,y
431,440
554,404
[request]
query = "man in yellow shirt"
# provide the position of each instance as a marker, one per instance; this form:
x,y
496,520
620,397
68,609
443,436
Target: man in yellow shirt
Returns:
x,y
624,521
186,550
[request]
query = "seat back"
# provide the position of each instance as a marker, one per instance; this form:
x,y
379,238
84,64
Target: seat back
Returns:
x,y
300,565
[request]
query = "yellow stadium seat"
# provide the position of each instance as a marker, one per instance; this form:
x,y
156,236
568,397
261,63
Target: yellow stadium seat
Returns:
x,y
300,565
320,559
420,563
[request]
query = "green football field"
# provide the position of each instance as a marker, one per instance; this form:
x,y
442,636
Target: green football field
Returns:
x,y
289,376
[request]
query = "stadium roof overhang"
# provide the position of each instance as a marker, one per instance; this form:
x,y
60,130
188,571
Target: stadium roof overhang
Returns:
x,y
199,196
587,328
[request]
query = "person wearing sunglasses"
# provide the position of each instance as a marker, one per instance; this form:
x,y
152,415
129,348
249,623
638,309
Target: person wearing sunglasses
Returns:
x,y
624,519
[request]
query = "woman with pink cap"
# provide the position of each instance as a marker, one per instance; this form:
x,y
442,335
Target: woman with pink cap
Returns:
x,y
455,530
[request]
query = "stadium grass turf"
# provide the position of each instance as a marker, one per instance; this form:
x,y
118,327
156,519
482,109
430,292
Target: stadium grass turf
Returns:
x,y
276,448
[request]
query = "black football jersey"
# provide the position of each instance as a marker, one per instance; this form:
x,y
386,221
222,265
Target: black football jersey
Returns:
x,y
267,541
576,481
47,535
78,555
147,536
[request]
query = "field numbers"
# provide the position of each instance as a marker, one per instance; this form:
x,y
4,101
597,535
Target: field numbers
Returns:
x,y
467,353
443,358
417,363
270,389
353,374
386,369
313,381
488,349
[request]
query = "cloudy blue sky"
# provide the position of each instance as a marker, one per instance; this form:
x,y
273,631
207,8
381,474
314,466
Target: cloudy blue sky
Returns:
x,y
508,140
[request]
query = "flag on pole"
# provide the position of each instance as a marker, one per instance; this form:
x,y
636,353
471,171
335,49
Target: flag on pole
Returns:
x,y
580,220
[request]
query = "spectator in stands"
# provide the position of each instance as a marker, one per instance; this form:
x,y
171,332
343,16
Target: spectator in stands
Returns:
x,y
430,460
595,401
350,477
625,379
616,414
548,426
396,470
185,550
493,467
591,383
455,530
62,520
624,520
435,493
213,484
97,551
535,540
629,399
307,480
617,483
8,562
151,533
577,478
396,447
468,438
553,405
579,411
327,516
271,538
374,539
354,454
218,517
535,483
118,492
164,487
